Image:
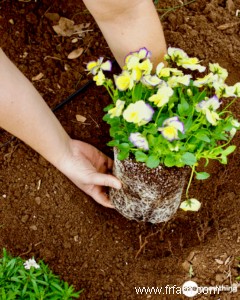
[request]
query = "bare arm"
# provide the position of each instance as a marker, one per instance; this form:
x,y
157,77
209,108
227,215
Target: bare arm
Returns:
x,y
25,114
128,25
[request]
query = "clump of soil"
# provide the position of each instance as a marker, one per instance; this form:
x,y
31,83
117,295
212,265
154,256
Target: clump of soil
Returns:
x,y
148,195
43,214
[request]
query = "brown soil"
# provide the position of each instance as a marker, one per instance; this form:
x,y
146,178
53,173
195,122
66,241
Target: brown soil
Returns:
x,y
43,214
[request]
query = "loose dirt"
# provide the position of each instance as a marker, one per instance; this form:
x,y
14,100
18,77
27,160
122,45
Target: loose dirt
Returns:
x,y
43,214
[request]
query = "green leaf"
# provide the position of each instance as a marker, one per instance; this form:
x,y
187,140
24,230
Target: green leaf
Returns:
x,y
137,92
229,150
141,156
122,155
202,175
223,159
169,161
189,159
203,137
152,161
113,143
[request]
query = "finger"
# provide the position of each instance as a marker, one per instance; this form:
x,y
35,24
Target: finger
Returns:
x,y
105,180
98,194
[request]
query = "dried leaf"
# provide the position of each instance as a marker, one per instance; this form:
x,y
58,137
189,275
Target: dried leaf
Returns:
x,y
66,27
38,77
227,25
75,53
81,118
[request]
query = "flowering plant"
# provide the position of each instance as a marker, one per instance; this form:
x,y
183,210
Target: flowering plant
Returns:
x,y
21,279
172,116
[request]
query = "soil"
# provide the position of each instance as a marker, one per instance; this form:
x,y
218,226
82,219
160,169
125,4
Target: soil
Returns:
x,y
140,198
42,214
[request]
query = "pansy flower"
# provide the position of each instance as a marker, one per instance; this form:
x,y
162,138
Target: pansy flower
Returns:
x,y
175,81
170,128
218,70
139,63
162,96
99,78
175,54
124,81
209,79
237,89
117,110
151,80
236,125
191,63
95,66
139,141
138,113
161,71
209,107
138,56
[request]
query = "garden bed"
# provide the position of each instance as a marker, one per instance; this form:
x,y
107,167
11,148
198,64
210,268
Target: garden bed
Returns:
x,y
42,214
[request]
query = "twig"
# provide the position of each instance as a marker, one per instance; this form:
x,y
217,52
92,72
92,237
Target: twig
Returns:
x,y
170,9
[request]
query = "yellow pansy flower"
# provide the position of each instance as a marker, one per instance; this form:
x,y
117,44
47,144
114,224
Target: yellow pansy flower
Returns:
x,y
95,66
117,110
99,78
162,97
124,81
170,128
174,81
139,113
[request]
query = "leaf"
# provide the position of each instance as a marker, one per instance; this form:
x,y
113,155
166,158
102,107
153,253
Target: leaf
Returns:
x,y
113,143
152,161
75,53
203,137
81,118
190,205
169,161
66,27
137,92
202,175
141,156
189,159
229,150
122,155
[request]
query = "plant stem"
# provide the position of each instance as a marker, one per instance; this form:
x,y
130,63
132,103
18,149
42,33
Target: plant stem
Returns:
x,y
229,104
190,179
168,10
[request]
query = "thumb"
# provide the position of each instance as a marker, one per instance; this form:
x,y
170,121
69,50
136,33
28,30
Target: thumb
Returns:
x,y
105,180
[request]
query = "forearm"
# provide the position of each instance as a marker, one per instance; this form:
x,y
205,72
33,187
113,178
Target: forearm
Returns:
x,y
128,26
25,114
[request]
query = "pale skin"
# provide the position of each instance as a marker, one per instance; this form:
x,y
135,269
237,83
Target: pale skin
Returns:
x,y
25,114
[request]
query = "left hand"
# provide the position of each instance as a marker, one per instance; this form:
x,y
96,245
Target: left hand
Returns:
x,y
88,168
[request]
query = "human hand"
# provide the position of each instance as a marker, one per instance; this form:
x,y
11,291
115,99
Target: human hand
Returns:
x,y
87,167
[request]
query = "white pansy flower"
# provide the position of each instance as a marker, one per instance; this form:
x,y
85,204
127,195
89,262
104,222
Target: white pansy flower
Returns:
x,y
139,141
217,69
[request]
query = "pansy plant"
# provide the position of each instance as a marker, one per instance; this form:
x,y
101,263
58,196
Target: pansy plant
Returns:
x,y
174,116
